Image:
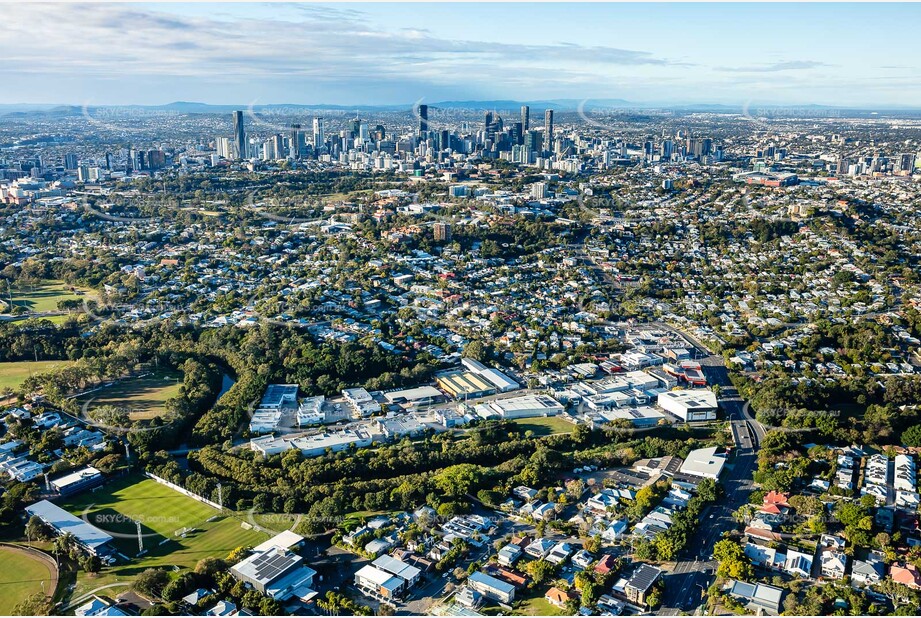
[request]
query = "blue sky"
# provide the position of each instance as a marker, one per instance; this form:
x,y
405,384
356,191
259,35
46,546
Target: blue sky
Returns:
x,y
835,54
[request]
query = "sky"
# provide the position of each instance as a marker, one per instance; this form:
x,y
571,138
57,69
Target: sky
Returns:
x,y
849,54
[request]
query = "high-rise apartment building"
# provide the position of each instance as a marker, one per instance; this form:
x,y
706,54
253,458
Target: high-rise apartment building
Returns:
x,y
442,231
548,130
239,136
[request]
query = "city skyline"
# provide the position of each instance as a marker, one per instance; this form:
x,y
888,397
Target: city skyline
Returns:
x,y
390,54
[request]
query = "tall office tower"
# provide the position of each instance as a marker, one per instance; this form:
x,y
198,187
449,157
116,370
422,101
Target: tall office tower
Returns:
x,y
843,166
355,127
533,141
135,159
319,135
295,141
706,147
110,161
548,130
517,133
493,124
423,120
268,150
666,149
156,159
379,133
906,162
444,139
525,117
364,132
442,231
70,161
239,135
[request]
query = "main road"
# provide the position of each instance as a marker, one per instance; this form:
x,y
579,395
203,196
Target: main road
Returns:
x,y
695,569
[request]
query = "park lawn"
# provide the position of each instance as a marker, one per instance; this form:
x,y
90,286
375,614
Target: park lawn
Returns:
x,y
12,375
545,425
162,511
43,296
143,398
537,606
21,576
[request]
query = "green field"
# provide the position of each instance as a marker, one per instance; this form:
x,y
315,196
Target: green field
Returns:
x,y
43,296
537,606
545,425
21,576
12,375
162,511
143,398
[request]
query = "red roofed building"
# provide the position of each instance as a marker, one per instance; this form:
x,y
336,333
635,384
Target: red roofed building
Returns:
x,y
605,564
511,577
907,574
557,597
777,498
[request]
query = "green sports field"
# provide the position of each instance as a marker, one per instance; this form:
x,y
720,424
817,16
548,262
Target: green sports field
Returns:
x,y
161,511
12,375
42,296
545,425
21,576
143,398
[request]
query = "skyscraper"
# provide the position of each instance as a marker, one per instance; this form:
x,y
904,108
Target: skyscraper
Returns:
x,y
548,130
533,141
239,135
843,165
268,150
492,124
70,161
319,135
295,141
423,120
525,117
355,127
517,134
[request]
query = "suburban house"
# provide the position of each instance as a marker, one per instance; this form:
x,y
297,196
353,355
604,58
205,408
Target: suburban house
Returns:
x,y
906,574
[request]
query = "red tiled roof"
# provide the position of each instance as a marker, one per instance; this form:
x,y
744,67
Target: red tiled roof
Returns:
x,y
605,564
